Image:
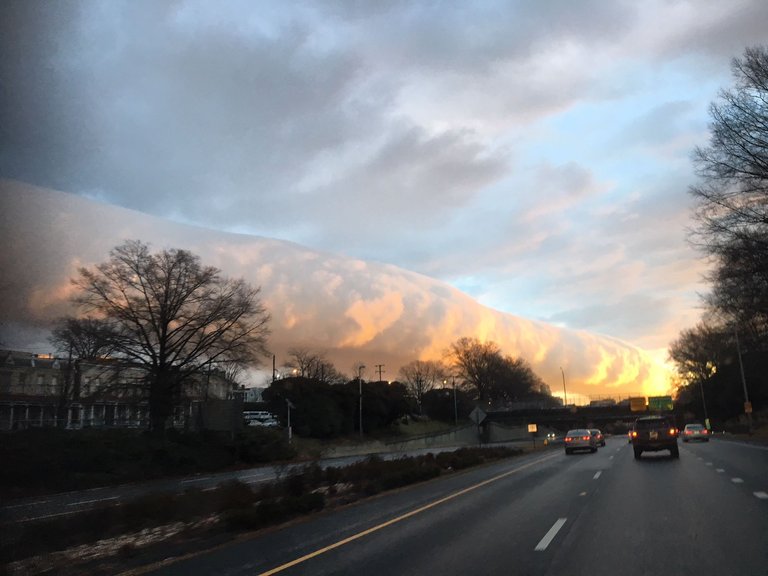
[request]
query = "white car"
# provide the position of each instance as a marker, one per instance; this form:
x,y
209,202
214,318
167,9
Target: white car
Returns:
x,y
580,439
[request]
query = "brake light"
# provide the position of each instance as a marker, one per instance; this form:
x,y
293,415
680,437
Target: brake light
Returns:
x,y
634,434
705,431
585,437
688,432
568,438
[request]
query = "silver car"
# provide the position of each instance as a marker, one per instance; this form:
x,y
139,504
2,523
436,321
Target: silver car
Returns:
x,y
580,439
695,432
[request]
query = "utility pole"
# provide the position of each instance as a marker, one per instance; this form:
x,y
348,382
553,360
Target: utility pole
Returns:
x,y
360,389
274,371
379,370
565,394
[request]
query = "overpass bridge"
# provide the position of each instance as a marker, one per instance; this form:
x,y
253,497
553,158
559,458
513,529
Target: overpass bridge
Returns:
x,y
619,417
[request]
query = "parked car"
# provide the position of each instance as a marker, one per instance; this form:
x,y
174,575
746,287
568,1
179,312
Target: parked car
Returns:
x,y
580,439
654,433
695,432
599,438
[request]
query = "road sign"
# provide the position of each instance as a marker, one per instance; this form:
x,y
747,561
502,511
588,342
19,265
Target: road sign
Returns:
x,y
637,404
477,416
660,403
747,407
532,428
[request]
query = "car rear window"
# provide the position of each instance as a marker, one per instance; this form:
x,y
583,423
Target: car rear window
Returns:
x,y
656,423
695,427
578,433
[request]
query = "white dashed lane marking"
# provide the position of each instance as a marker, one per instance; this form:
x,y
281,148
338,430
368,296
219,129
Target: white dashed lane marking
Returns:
x,y
597,475
720,470
549,536
761,495
737,480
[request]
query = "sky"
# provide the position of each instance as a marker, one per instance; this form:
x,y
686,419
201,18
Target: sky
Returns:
x,y
534,155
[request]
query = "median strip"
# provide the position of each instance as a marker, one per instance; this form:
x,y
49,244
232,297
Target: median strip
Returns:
x,y
549,536
405,516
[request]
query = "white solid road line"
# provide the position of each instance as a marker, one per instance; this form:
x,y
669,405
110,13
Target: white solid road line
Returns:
x,y
549,536
597,475
27,504
761,495
81,502
737,480
196,479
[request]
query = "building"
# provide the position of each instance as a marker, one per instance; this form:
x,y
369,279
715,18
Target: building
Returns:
x,y
42,390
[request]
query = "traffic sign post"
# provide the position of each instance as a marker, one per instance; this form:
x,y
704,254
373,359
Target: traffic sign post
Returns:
x,y
637,404
532,428
477,416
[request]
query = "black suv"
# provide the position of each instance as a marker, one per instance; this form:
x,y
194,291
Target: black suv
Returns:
x,y
654,433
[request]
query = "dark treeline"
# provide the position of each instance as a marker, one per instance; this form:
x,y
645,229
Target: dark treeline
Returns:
x,y
326,405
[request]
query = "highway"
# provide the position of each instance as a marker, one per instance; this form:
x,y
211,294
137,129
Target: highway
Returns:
x,y
541,514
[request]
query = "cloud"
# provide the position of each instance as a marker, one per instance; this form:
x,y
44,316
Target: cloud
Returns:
x,y
534,154
350,309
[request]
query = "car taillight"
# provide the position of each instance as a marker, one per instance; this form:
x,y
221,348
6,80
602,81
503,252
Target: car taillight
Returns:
x,y
672,431
585,437
704,431
568,439
634,434
688,432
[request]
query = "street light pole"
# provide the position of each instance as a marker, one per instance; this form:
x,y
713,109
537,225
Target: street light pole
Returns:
x,y
290,430
455,405
747,406
565,394
360,393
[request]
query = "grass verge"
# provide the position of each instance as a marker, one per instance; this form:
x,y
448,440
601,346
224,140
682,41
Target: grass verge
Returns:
x,y
232,508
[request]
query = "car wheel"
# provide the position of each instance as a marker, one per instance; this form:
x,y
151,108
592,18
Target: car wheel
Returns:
x,y
638,453
675,452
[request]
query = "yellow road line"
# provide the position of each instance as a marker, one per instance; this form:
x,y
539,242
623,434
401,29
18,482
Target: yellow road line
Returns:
x,y
401,518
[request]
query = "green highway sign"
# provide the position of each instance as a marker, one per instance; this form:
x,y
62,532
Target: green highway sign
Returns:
x,y
660,403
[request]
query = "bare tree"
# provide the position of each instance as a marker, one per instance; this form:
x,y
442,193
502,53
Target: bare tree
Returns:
x,y
732,196
173,316
313,365
421,376
490,376
80,339
305,361
475,363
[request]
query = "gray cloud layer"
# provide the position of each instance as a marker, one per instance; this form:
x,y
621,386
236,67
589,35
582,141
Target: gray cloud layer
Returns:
x,y
532,153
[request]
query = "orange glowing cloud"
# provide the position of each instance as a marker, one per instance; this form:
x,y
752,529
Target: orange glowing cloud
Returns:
x,y
346,308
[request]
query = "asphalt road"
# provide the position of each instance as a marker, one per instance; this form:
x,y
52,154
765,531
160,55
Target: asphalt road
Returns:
x,y
540,514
